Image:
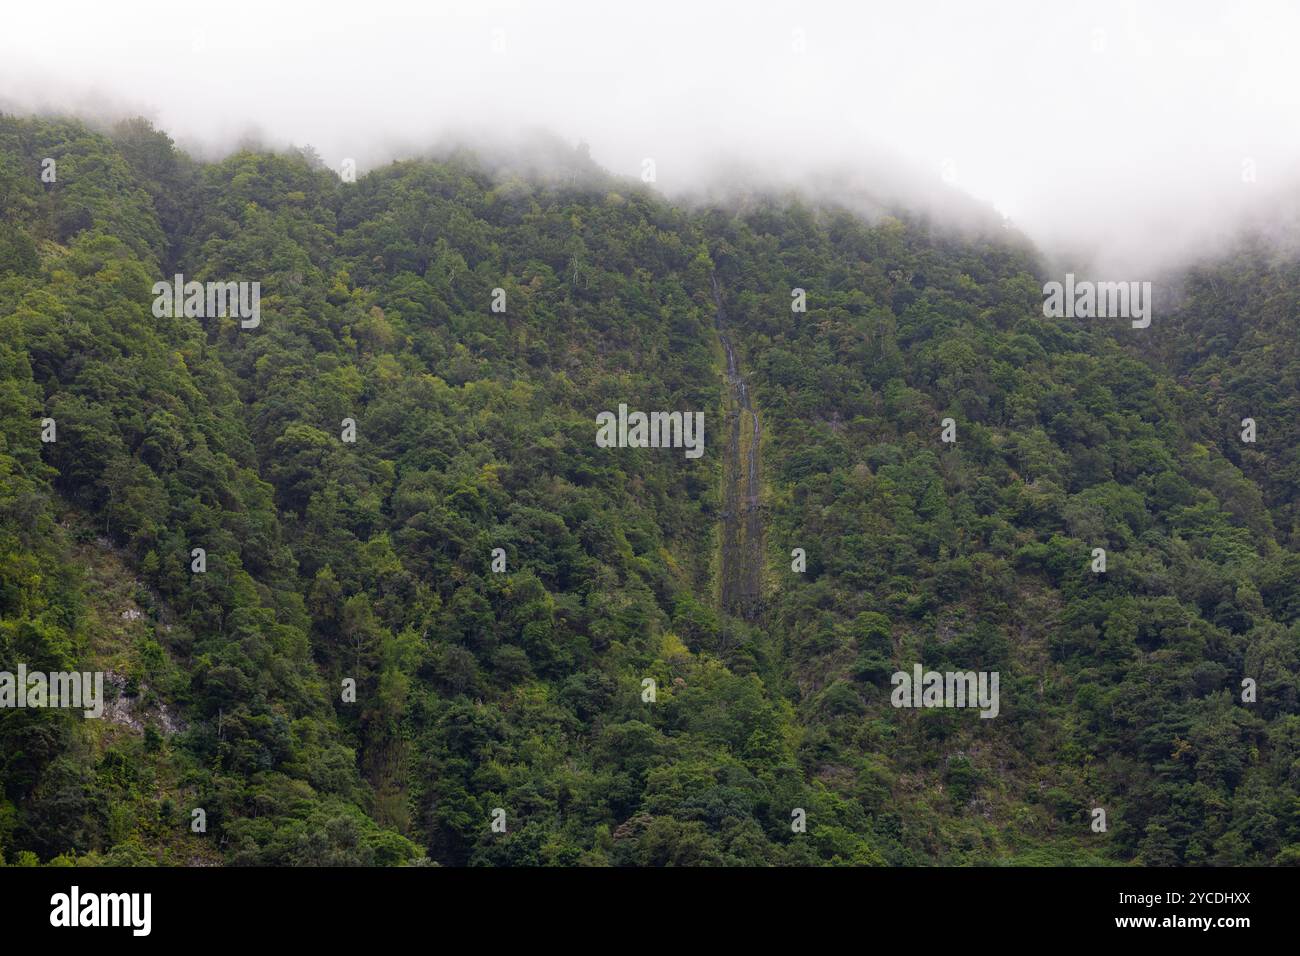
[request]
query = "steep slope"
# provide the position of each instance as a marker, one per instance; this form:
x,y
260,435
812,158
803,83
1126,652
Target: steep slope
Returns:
x,y
531,622
150,449
1120,691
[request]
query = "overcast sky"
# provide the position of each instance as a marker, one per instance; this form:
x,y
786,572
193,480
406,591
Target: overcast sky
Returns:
x,y
1132,126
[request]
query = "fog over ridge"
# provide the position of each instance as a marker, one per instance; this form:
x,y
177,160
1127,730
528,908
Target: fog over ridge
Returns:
x,y
1123,137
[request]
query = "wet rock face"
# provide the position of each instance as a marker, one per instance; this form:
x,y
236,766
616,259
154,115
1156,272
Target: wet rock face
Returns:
x,y
742,520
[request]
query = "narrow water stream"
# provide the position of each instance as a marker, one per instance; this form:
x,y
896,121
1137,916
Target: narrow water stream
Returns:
x,y
742,521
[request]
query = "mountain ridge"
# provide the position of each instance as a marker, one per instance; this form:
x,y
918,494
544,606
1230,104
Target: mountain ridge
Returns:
x,y
524,690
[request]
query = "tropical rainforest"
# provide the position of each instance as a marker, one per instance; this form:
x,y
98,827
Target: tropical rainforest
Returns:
x,y
468,635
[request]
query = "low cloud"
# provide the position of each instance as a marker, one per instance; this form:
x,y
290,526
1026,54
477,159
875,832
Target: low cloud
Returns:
x,y
1127,135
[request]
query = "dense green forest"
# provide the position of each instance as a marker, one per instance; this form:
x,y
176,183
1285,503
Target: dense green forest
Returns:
x,y
523,690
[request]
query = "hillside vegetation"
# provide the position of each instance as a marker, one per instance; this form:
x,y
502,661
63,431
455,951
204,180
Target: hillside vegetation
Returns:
x,y
524,690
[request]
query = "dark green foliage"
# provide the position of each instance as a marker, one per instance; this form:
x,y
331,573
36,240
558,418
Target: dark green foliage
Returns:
x,y
371,561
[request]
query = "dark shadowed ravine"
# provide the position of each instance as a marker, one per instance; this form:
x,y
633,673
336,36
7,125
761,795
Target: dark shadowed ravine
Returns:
x,y
742,520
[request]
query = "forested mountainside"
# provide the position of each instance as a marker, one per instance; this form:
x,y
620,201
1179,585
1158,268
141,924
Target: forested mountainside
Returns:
x,y
502,717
